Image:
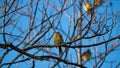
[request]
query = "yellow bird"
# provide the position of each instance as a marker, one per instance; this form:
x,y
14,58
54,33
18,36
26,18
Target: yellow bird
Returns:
x,y
58,40
88,7
86,55
98,3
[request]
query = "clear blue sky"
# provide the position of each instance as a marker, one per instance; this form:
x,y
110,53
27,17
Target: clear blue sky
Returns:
x,y
114,56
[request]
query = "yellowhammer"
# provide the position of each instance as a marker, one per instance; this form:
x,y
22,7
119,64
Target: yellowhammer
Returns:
x,y
88,7
58,40
86,55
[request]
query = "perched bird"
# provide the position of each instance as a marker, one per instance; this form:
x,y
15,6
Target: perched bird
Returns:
x,y
86,55
58,40
97,3
88,7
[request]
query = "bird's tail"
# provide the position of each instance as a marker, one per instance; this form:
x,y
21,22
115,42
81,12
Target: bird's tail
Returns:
x,y
60,50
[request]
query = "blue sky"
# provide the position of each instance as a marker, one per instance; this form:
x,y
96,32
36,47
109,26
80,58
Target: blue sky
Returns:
x,y
65,25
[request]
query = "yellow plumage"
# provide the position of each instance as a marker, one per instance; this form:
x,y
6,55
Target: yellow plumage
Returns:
x,y
58,40
86,55
87,6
